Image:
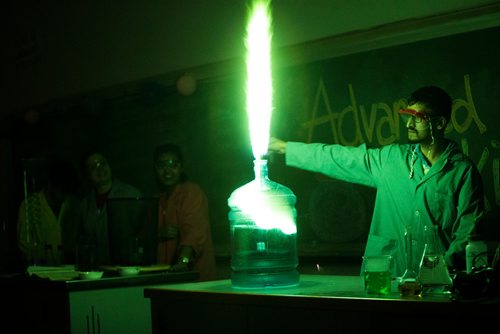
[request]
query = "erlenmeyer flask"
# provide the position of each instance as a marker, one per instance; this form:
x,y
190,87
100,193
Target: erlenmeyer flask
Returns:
x,y
409,284
434,275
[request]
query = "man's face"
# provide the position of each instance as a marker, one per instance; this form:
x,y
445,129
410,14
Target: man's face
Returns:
x,y
168,169
98,169
417,121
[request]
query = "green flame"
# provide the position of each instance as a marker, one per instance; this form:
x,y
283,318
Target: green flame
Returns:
x,y
259,88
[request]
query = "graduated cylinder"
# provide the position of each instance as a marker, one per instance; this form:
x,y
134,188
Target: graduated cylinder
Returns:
x,y
263,233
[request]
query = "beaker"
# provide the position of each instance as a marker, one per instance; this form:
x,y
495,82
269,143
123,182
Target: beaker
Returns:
x,y
377,274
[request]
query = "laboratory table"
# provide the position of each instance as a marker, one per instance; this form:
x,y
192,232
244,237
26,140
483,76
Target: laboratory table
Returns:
x,y
112,304
334,304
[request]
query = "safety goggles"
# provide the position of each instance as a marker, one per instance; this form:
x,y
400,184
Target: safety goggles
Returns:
x,y
411,114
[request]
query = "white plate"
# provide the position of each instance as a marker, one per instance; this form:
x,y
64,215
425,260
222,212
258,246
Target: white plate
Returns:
x,y
129,271
90,275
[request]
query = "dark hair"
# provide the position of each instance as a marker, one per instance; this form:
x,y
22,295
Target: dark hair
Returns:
x,y
168,148
86,155
433,98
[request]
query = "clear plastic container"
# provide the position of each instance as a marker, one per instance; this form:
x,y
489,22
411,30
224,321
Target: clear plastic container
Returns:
x,y
263,233
476,254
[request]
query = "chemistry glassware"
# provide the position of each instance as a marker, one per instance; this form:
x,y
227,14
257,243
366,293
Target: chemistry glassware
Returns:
x,y
409,284
433,275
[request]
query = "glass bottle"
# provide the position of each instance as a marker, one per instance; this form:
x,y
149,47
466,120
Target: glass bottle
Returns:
x,y
433,275
263,233
409,284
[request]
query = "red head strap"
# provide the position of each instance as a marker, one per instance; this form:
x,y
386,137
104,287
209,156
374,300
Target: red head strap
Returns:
x,y
415,113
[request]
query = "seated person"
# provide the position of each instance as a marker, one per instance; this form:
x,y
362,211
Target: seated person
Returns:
x,y
44,217
185,240
93,213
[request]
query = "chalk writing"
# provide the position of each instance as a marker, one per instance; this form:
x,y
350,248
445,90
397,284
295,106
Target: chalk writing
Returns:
x,y
470,108
380,118
380,123
496,180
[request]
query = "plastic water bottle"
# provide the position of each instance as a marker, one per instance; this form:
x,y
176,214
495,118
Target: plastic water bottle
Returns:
x,y
476,255
263,233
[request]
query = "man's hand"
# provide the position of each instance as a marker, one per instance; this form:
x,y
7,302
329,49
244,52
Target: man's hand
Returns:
x,y
276,146
168,232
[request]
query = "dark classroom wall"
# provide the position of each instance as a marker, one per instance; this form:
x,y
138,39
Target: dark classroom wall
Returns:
x,y
349,100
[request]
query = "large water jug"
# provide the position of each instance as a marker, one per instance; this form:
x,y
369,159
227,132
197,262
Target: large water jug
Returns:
x,y
263,233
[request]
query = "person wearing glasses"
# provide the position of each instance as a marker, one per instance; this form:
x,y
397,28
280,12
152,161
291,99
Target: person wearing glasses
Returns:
x,y
93,210
427,181
185,240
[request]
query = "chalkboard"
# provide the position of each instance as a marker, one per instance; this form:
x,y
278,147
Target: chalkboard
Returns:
x,y
354,99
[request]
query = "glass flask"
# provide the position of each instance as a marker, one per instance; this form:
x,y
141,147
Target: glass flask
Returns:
x,y
409,284
263,228
434,276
